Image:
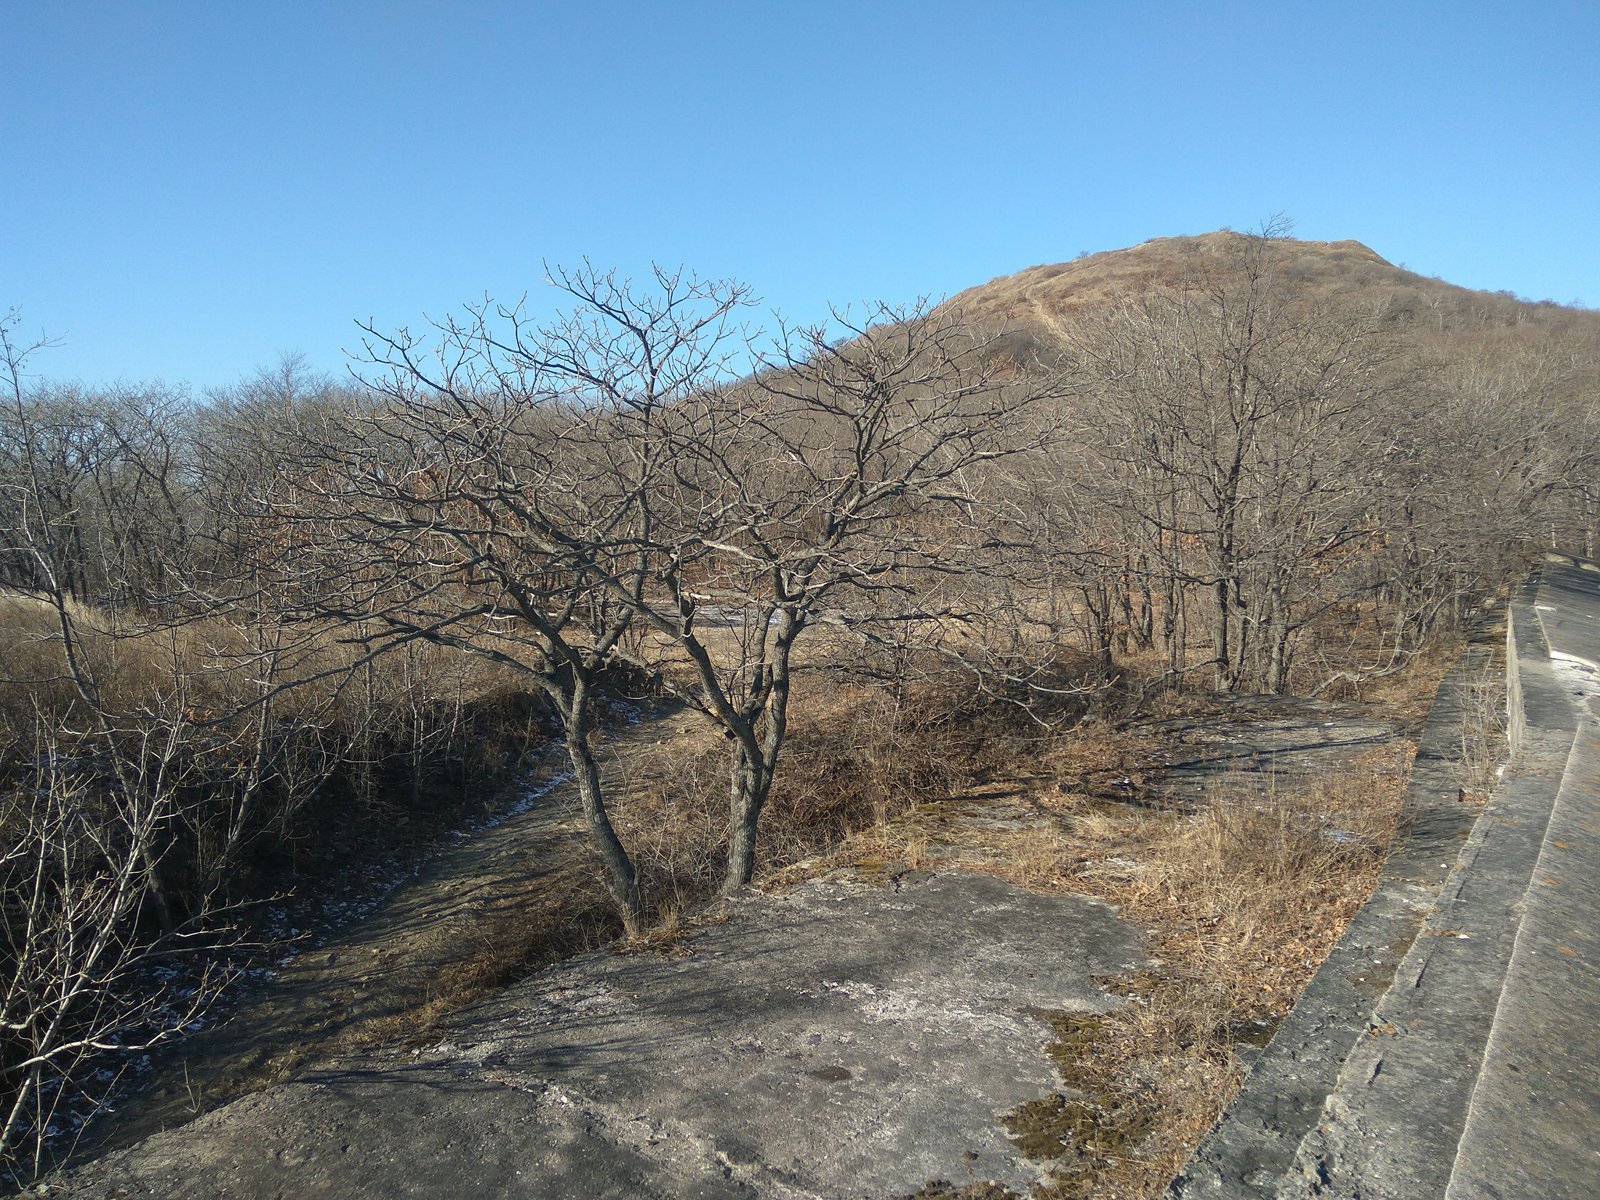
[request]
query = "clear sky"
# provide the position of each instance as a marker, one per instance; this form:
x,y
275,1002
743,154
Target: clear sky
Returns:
x,y
191,189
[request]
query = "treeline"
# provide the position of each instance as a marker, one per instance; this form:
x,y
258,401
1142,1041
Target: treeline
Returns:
x,y
232,623
1291,487
175,739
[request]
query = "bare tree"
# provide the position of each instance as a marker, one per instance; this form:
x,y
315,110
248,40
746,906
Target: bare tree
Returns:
x,y
503,497
86,815
604,488
1240,424
78,979
830,489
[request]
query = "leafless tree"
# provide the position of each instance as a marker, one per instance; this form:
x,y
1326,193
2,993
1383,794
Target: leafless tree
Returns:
x,y
605,488
1240,426
830,489
79,979
87,810
502,498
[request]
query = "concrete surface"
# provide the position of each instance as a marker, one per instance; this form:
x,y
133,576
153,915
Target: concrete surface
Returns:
x,y
1261,741
1533,1127
839,1041
1474,1072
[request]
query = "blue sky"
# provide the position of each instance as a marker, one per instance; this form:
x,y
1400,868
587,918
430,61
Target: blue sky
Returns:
x,y
191,189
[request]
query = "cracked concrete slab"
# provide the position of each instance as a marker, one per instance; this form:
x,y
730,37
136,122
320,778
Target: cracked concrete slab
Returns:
x,y
840,1040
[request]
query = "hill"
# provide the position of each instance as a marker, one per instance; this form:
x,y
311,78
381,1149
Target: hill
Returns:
x,y
1041,299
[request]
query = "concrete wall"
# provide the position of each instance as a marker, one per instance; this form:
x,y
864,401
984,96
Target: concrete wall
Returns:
x,y
1516,718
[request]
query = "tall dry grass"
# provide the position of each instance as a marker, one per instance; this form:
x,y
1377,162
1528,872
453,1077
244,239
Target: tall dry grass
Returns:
x,y
1243,901
855,756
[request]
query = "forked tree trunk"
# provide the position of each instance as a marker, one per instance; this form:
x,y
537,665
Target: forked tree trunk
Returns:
x,y
754,760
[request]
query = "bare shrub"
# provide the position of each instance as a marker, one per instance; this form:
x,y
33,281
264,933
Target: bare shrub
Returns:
x,y
81,980
1483,734
155,772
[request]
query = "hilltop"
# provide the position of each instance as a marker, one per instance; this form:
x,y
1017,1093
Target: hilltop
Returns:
x,y
1041,299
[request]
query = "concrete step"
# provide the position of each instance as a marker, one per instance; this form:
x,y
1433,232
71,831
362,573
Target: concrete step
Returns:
x,y
1533,1125
1473,1071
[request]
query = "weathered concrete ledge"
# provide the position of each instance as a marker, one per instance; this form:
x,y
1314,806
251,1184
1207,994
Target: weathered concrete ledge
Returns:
x,y
1414,1064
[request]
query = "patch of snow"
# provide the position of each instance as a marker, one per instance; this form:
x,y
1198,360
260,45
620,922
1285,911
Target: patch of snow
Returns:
x,y
1578,674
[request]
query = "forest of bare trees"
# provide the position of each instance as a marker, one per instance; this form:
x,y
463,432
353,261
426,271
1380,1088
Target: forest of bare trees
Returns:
x,y
242,623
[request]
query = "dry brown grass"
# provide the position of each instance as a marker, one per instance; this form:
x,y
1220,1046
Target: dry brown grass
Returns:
x,y
208,663
1243,902
852,761
1483,735
1407,692
670,806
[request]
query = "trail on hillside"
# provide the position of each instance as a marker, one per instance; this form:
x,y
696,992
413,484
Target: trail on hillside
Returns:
x,y
396,967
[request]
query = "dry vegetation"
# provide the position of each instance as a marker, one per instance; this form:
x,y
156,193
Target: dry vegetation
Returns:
x,y
152,792
243,636
1242,897
854,760
1244,901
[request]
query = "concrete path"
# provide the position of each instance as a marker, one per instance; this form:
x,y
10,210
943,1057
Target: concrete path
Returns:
x,y
841,1040
1266,741
1450,1047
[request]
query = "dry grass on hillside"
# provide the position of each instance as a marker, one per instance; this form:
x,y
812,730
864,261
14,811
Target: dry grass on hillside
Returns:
x,y
853,759
1057,287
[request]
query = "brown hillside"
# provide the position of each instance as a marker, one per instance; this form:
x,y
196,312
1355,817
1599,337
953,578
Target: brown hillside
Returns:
x,y
1038,299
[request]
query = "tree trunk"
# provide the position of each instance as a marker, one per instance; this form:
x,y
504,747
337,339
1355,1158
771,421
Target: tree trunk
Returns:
x,y
753,760
747,796
1220,625
622,881
1277,642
